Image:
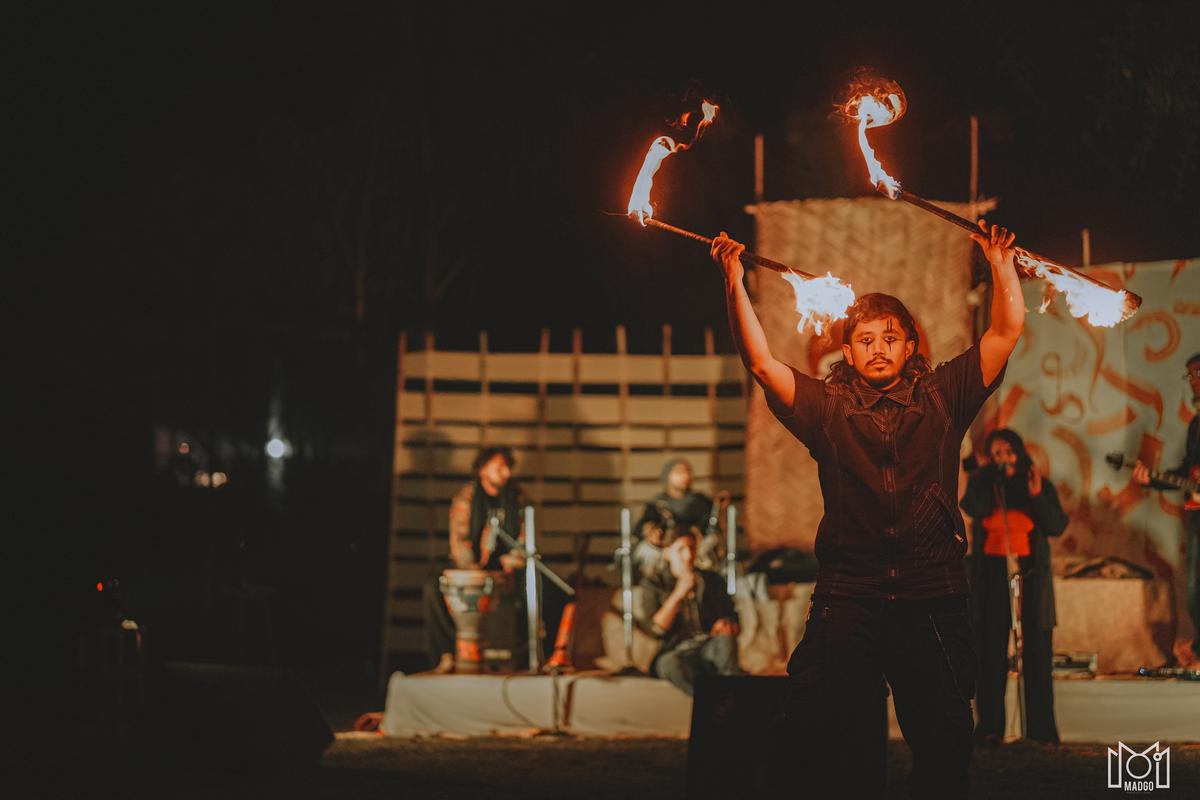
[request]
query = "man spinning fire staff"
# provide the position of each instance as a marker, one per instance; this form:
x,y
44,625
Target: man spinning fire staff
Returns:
x,y
890,601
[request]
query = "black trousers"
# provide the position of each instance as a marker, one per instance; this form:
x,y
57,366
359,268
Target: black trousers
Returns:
x,y
834,725
1037,656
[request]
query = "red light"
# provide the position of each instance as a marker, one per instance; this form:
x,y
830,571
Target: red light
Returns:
x,y
99,586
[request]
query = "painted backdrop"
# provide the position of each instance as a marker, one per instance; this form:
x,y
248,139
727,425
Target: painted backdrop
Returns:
x,y
1077,393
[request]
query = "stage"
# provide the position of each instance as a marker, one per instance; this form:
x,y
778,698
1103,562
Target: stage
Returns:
x,y
1099,710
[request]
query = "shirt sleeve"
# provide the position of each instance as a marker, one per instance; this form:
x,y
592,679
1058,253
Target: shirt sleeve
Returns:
x,y
1048,514
961,380
805,416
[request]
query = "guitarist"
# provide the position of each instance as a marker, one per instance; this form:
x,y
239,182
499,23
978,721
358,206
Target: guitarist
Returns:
x,y
1186,651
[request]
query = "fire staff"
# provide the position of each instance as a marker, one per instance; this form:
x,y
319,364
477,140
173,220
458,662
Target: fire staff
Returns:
x,y
890,601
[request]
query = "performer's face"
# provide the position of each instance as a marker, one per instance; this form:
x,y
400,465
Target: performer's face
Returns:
x,y
1193,373
1004,457
679,479
878,350
494,474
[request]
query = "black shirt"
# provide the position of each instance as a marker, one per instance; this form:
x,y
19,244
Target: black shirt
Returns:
x,y
888,466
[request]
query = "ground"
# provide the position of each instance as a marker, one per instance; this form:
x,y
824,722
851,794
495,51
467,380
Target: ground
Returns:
x,y
565,769
370,767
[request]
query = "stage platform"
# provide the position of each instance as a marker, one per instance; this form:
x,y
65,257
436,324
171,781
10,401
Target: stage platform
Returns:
x,y
1101,710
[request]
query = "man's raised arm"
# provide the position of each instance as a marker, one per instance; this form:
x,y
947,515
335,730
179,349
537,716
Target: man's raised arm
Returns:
x,y
775,377
1008,305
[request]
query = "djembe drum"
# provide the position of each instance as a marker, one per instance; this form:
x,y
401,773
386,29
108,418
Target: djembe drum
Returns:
x,y
470,594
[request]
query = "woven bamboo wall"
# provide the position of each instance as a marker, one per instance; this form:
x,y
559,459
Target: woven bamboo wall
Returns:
x,y
877,245
590,432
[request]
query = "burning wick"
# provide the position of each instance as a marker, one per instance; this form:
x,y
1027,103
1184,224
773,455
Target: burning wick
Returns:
x,y
818,299
874,103
883,107
660,148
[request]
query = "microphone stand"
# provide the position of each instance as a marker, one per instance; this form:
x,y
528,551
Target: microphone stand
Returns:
x,y
625,555
731,550
1014,602
496,533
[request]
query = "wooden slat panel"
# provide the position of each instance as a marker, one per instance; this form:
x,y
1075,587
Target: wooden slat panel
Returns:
x,y
444,365
614,436
418,488
731,462
668,410
612,492
580,519
707,369
422,550
731,410
469,435
582,410
422,546
529,367
412,575
404,607
418,516
410,407
469,407
556,367
643,437
612,368
441,491
590,492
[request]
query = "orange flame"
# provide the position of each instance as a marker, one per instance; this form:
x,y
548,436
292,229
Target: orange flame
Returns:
x,y
819,300
660,148
874,103
1103,306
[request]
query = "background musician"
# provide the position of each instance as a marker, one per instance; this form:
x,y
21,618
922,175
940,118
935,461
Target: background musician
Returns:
x,y
1187,652
677,506
493,492
690,612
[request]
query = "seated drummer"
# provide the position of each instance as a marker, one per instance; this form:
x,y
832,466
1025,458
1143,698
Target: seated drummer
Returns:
x,y
689,610
492,493
677,506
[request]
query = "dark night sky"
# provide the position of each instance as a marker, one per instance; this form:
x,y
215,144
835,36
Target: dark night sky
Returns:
x,y
194,192
238,168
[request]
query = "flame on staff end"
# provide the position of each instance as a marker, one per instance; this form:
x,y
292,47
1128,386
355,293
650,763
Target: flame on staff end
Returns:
x,y
1103,306
873,103
660,148
819,300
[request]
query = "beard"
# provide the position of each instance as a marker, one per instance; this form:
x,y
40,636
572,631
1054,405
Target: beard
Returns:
x,y
881,380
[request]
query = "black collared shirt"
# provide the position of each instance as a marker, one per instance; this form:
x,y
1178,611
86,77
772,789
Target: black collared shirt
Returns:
x,y
888,466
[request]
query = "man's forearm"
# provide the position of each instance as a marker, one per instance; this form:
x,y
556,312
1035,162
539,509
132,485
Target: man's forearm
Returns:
x,y
1008,304
664,618
747,331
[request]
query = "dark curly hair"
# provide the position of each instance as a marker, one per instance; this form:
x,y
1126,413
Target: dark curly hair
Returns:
x,y
1014,440
877,305
488,453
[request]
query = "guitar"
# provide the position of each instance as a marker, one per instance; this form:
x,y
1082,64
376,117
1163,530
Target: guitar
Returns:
x,y
1190,485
